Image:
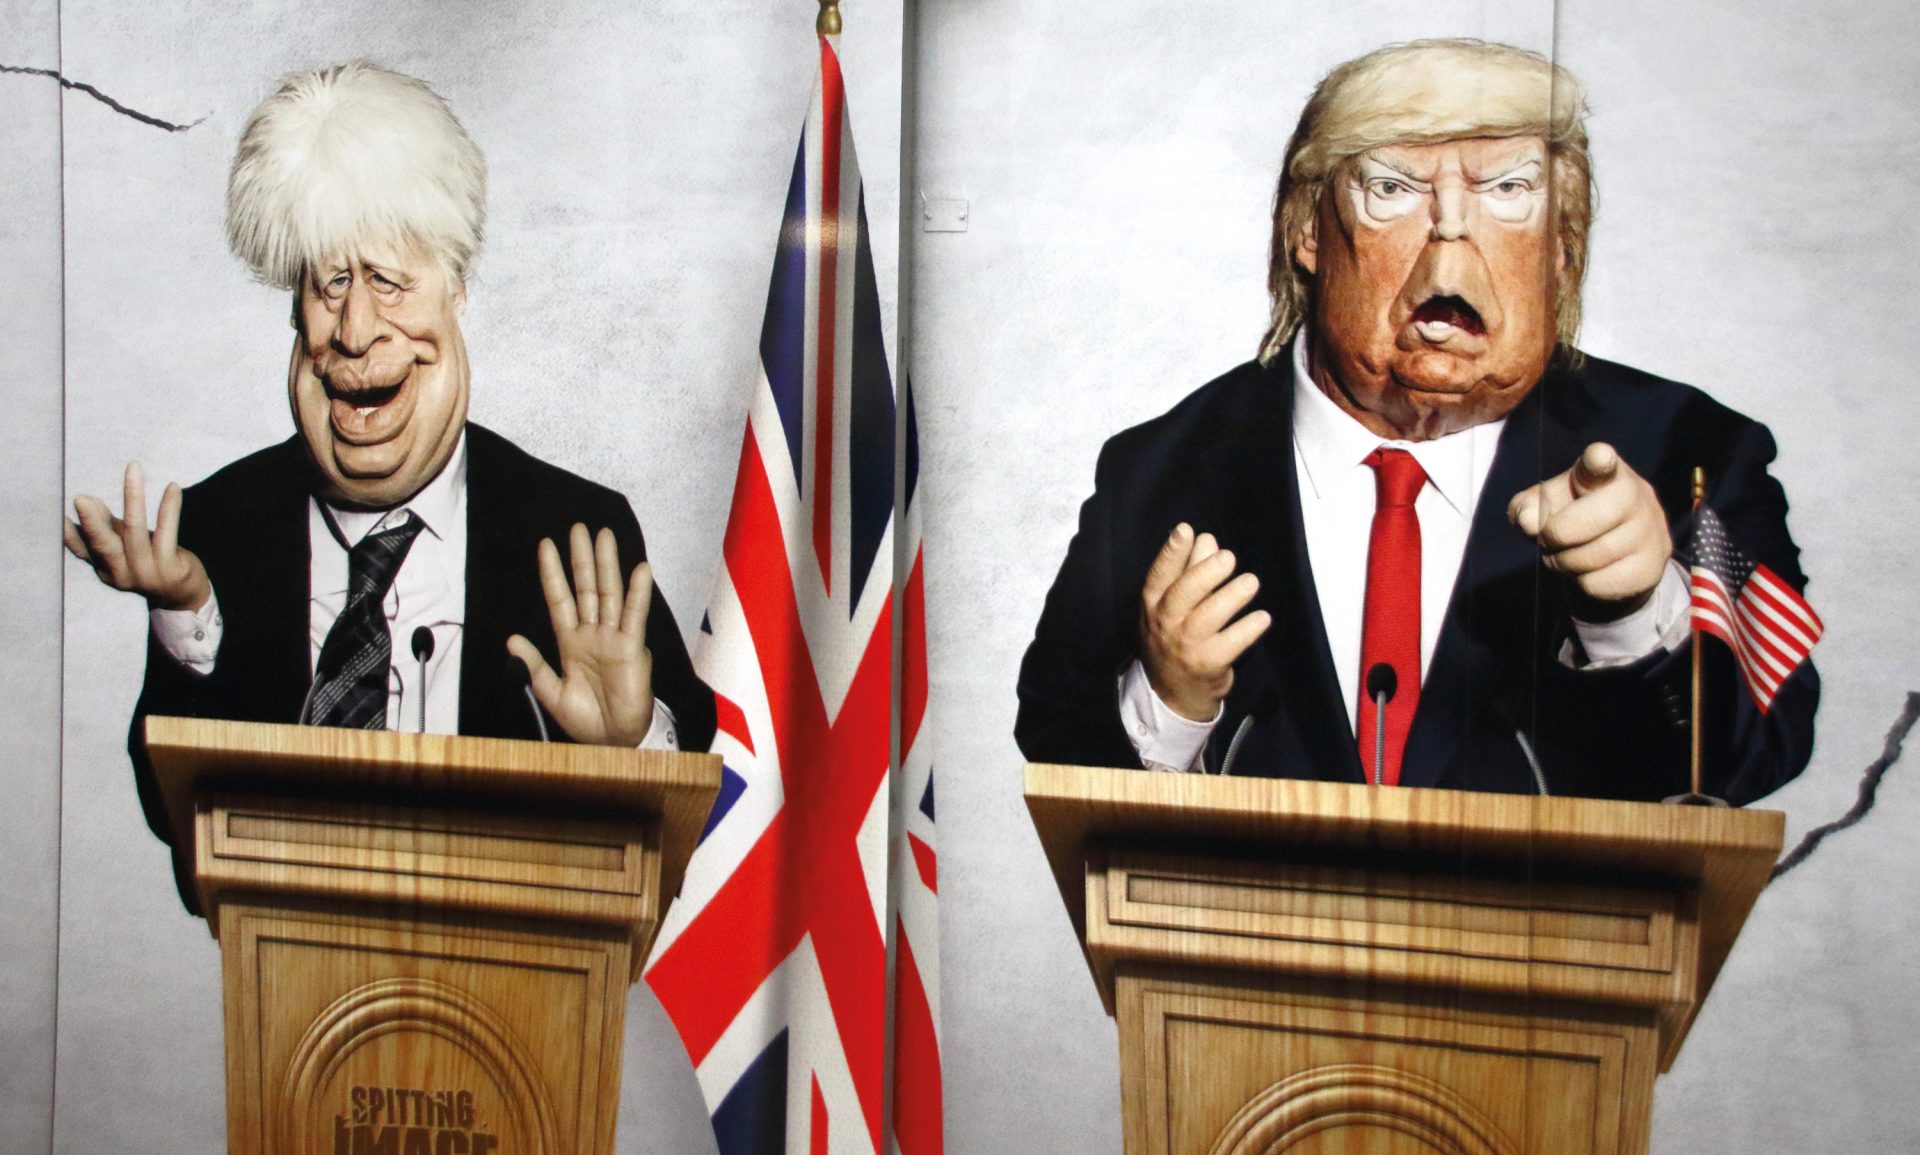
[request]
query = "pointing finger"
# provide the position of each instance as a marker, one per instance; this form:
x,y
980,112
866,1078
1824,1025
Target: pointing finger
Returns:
x,y
586,593
553,585
1169,563
1596,467
1598,513
606,565
639,597
1204,547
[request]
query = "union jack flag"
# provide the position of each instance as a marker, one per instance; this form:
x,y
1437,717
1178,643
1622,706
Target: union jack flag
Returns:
x,y
1770,627
773,963
916,1003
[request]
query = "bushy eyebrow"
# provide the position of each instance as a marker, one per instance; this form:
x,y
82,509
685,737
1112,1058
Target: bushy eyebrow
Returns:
x,y
1514,167
1383,162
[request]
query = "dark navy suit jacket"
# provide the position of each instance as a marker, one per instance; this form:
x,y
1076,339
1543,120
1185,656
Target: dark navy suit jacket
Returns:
x,y
1222,460
248,525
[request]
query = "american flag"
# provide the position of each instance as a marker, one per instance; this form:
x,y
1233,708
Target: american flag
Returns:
x,y
916,1003
1743,603
773,962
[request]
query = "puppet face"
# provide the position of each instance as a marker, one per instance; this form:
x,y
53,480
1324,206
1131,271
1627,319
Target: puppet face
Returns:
x,y
379,374
1433,268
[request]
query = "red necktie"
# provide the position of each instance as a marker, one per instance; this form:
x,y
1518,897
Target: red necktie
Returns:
x,y
1391,634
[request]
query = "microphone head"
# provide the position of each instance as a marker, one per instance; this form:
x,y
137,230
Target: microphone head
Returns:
x,y
422,643
1381,680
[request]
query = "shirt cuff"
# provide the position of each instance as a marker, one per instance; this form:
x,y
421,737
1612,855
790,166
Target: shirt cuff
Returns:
x,y
1660,624
190,637
661,734
1163,739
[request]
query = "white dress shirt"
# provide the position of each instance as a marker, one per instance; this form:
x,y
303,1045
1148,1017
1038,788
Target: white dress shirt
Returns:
x,y
1337,490
429,591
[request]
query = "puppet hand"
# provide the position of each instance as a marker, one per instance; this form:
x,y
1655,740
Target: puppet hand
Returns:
x,y
604,692
1188,639
126,556
1600,525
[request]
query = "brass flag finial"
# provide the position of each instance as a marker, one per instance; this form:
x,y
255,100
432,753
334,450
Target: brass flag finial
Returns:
x,y
829,22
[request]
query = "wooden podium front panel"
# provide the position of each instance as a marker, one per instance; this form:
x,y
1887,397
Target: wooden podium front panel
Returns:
x,y
369,1033
1227,1065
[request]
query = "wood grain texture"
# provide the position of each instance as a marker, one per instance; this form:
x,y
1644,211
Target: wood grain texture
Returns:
x,y
426,941
1308,967
192,756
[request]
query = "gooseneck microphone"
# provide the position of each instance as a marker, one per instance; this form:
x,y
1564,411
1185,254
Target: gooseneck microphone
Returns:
x,y
533,703
422,650
1381,684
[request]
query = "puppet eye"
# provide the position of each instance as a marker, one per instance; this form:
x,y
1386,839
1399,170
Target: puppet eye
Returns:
x,y
1388,198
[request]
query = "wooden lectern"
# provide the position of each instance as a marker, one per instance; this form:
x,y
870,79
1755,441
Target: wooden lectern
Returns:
x,y
1313,968
426,941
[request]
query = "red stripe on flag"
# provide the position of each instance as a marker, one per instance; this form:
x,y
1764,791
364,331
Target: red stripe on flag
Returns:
x,y
1712,615
1765,644
731,720
924,860
804,876
1792,610
916,1061
913,658
818,1143
827,321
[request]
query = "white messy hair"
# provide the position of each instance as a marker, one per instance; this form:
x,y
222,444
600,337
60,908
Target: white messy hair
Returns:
x,y
1422,92
355,154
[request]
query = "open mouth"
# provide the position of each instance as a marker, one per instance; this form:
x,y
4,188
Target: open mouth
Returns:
x,y
1440,317
366,415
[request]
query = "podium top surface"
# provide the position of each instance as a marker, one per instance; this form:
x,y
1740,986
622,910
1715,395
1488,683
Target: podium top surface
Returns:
x,y
1725,855
195,755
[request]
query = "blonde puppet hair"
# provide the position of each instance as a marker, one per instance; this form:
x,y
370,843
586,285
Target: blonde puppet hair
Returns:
x,y
1422,92
341,157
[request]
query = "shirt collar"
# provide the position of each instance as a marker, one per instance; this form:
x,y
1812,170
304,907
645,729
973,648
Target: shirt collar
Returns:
x,y
437,505
1330,442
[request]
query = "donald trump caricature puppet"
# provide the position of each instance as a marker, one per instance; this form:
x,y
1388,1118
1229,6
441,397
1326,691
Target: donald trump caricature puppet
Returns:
x,y
1422,539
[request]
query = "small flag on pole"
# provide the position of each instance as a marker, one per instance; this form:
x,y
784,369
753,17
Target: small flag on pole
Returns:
x,y
1770,627
772,964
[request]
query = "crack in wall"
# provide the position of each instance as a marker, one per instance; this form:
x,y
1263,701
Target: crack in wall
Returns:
x,y
103,98
1869,789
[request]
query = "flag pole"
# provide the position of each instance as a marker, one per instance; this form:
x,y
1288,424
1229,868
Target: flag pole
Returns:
x,y
1699,493
828,22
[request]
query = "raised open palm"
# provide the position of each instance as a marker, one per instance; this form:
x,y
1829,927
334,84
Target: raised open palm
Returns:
x,y
603,693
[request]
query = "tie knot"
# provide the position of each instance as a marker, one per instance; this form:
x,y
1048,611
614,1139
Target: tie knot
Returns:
x,y
1397,477
372,564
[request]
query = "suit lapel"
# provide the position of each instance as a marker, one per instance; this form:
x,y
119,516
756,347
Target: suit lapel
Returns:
x,y
1255,489
483,655
1499,604
276,541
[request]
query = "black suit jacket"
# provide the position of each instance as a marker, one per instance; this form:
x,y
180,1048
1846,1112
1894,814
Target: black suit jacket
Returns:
x,y
248,525
1222,460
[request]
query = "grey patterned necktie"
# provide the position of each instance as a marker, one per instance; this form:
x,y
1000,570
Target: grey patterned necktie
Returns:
x,y
350,679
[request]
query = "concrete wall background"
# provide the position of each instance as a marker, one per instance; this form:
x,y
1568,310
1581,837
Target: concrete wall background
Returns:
x,y
1756,237
30,561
